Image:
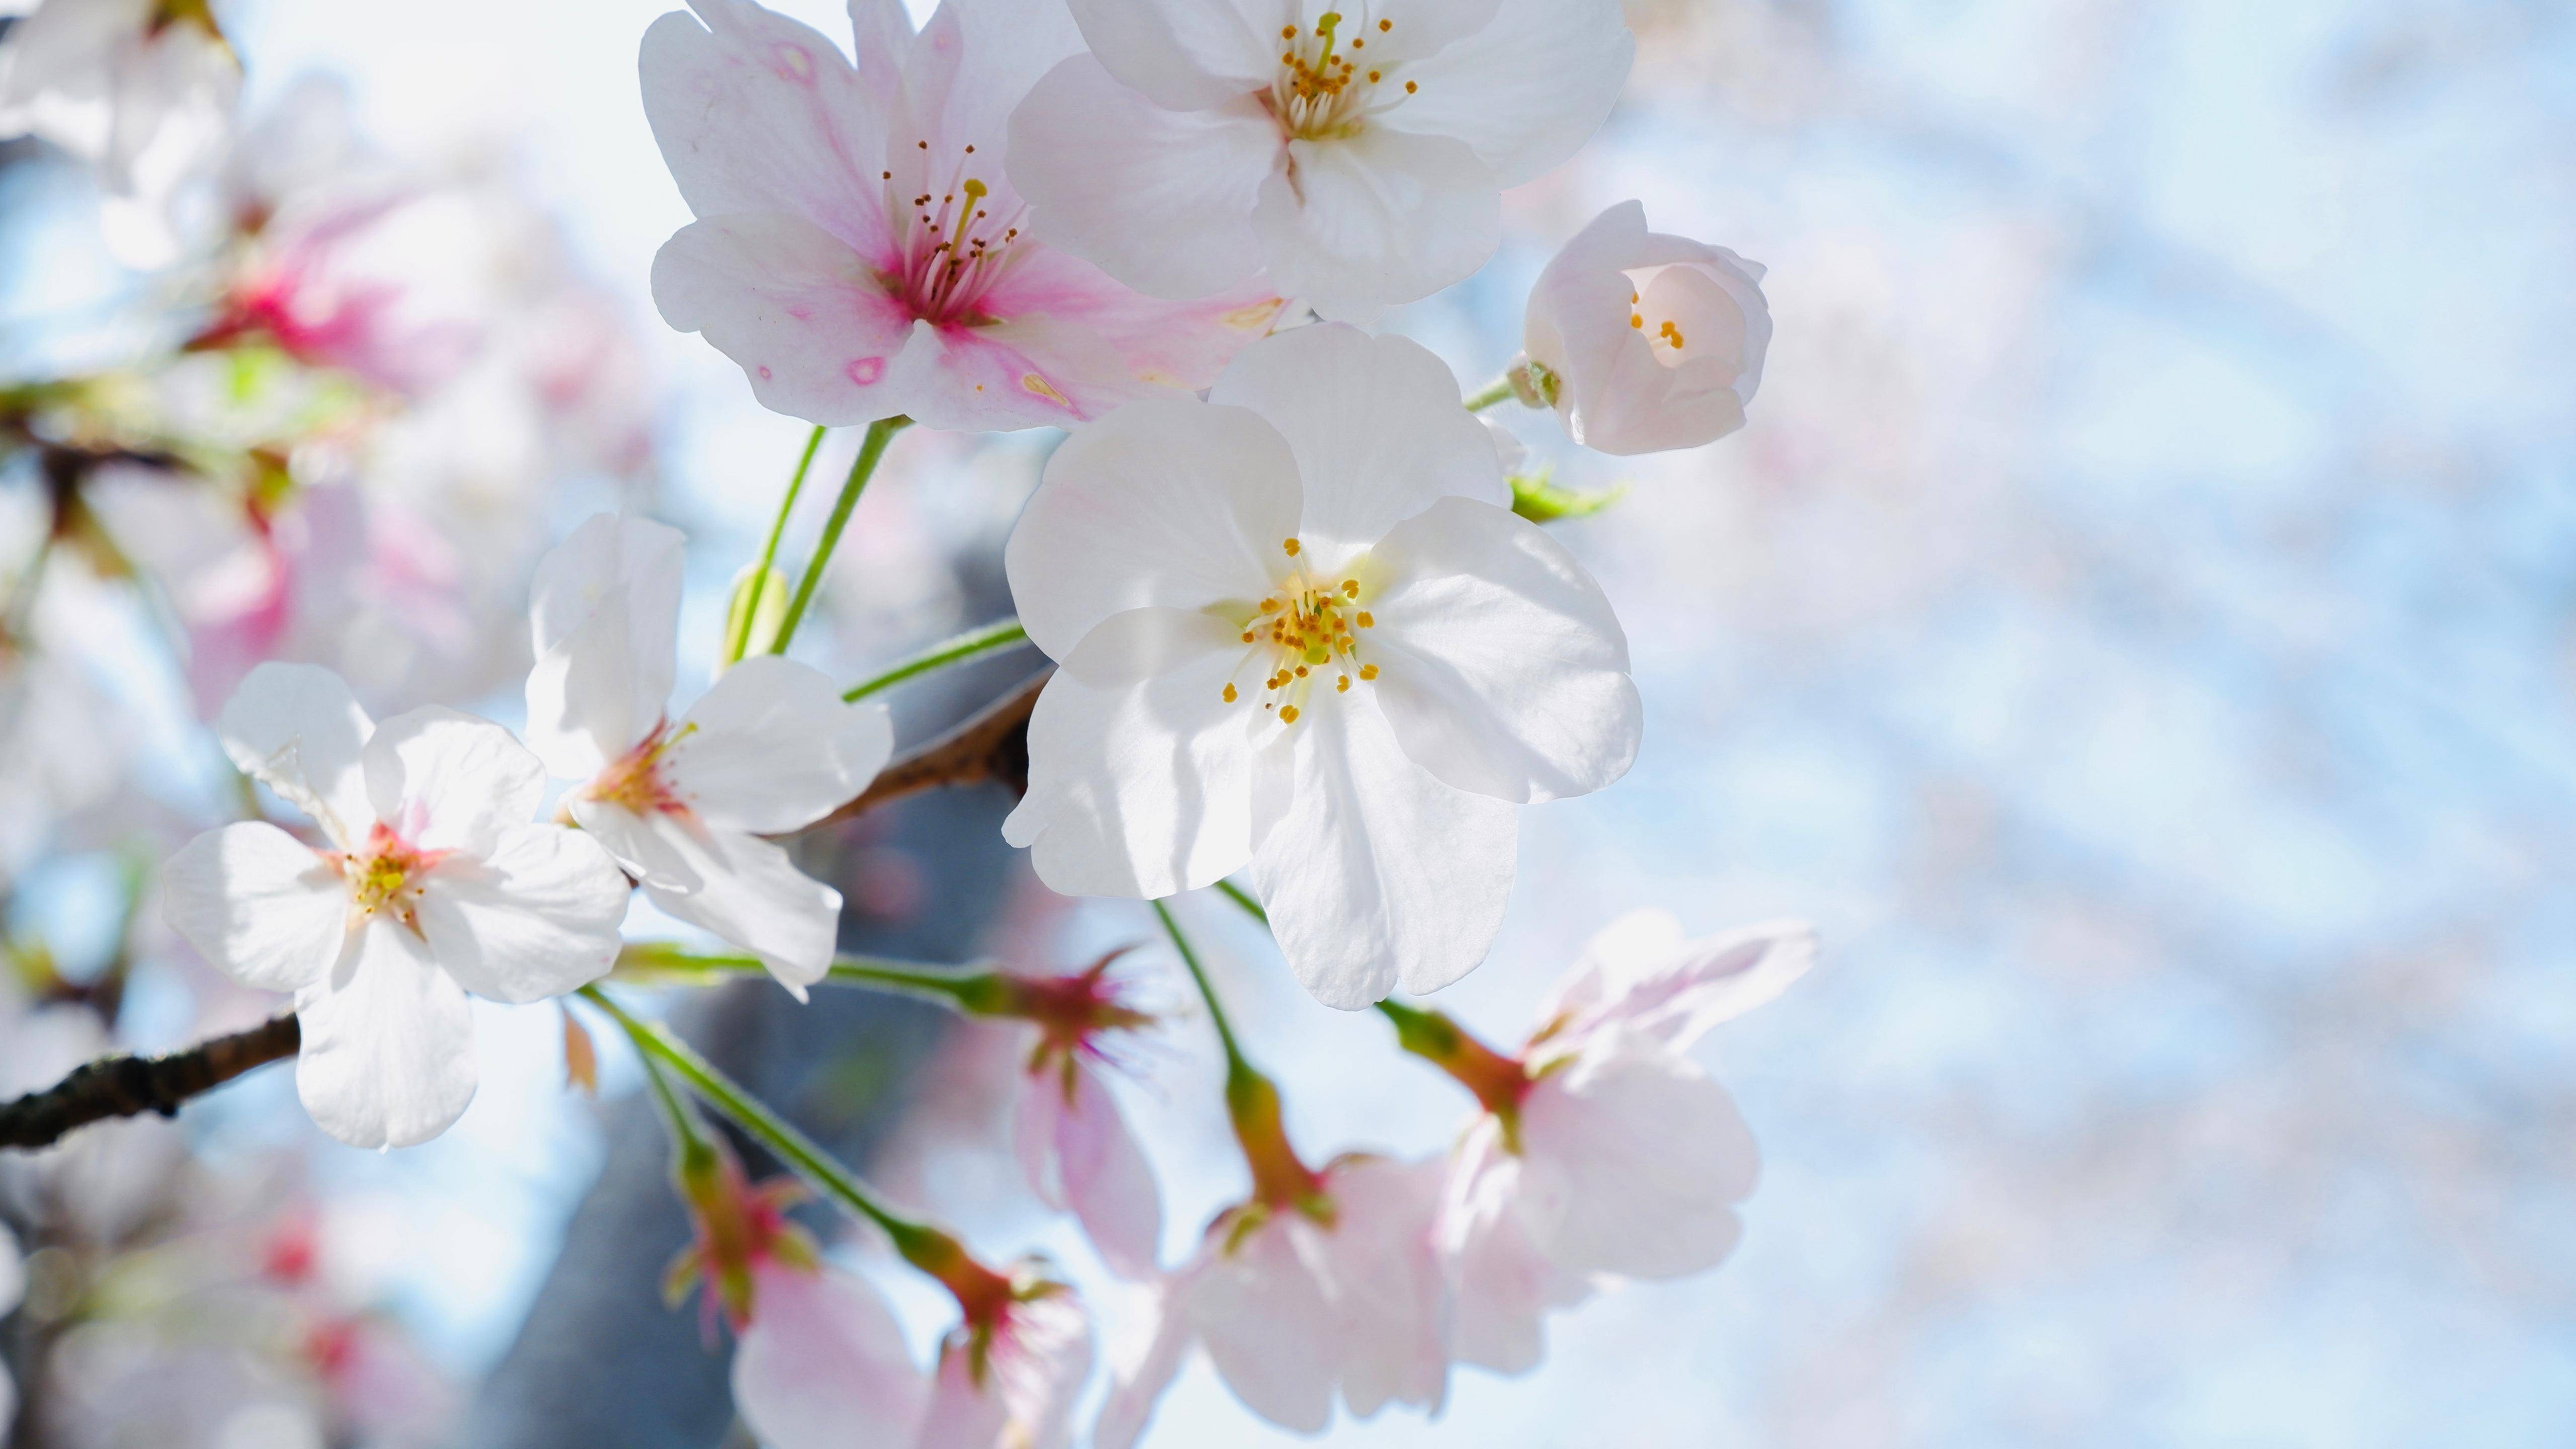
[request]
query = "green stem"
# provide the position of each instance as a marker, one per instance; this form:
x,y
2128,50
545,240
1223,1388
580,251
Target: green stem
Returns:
x,y
862,468
972,991
769,550
1235,1064
1243,898
917,1242
965,646
1499,391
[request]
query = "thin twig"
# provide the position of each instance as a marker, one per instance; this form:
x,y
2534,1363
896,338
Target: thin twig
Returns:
x,y
129,1086
994,745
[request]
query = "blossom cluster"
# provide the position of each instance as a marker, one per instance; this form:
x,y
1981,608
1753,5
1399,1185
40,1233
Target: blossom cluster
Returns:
x,y
1308,630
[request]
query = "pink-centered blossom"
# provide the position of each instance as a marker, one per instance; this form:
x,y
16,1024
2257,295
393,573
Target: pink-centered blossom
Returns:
x,y
1603,1150
1338,1292
432,881
1073,1142
1642,341
684,803
1357,149
823,1365
860,248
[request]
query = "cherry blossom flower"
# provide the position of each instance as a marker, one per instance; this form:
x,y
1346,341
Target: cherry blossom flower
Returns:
x,y
1358,152
432,882
823,1365
1340,1289
1300,628
1643,341
143,90
860,249
1602,1150
1073,1142
683,804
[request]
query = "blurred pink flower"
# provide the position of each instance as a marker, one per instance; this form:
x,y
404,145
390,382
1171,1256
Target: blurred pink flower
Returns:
x,y
1342,1291
1073,1142
860,250
1603,1150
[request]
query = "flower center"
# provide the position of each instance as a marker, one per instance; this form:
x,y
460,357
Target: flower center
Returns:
x,y
1327,85
635,781
385,877
953,248
1304,632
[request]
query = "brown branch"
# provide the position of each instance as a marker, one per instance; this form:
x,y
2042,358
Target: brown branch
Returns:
x,y
128,1086
994,745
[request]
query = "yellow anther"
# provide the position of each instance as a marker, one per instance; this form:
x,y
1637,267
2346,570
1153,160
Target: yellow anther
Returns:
x,y
1410,87
1229,694
1367,620
1368,671
1287,32
1342,685
1291,545
1385,25
1287,714
1636,321
1271,606
1373,75
1247,636
1351,587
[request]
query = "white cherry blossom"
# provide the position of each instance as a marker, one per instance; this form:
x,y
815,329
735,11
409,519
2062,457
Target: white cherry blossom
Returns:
x,y
683,803
432,882
1357,150
861,250
1296,1303
1301,630
1642,341
1604,1151
143,90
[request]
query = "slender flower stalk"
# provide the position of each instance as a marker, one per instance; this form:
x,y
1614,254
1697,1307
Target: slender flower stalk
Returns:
x,y
921,1245
1243,898
969,990
1279,1177
769,549
1501,391
973,644
1497,1081
864,467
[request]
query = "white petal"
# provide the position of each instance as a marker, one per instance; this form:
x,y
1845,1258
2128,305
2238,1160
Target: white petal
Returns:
x,y
1186,55
298,730
1139,789
1268,1327
1375,427
1379,875
973,63
1617,953
1362,222
965,1412
801,312
1172,503
534,917
757,113
388,1049
258,904
1673,994
1504,1284
823,1364
445,780
1137,1384
1501,666
1160,199
1389,1292
1528,88
773,747
1631,1162
604,619
1614,393
1081,1157
748,892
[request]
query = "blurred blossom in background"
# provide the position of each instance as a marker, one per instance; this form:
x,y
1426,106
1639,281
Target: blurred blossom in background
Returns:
x,y
2134,626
